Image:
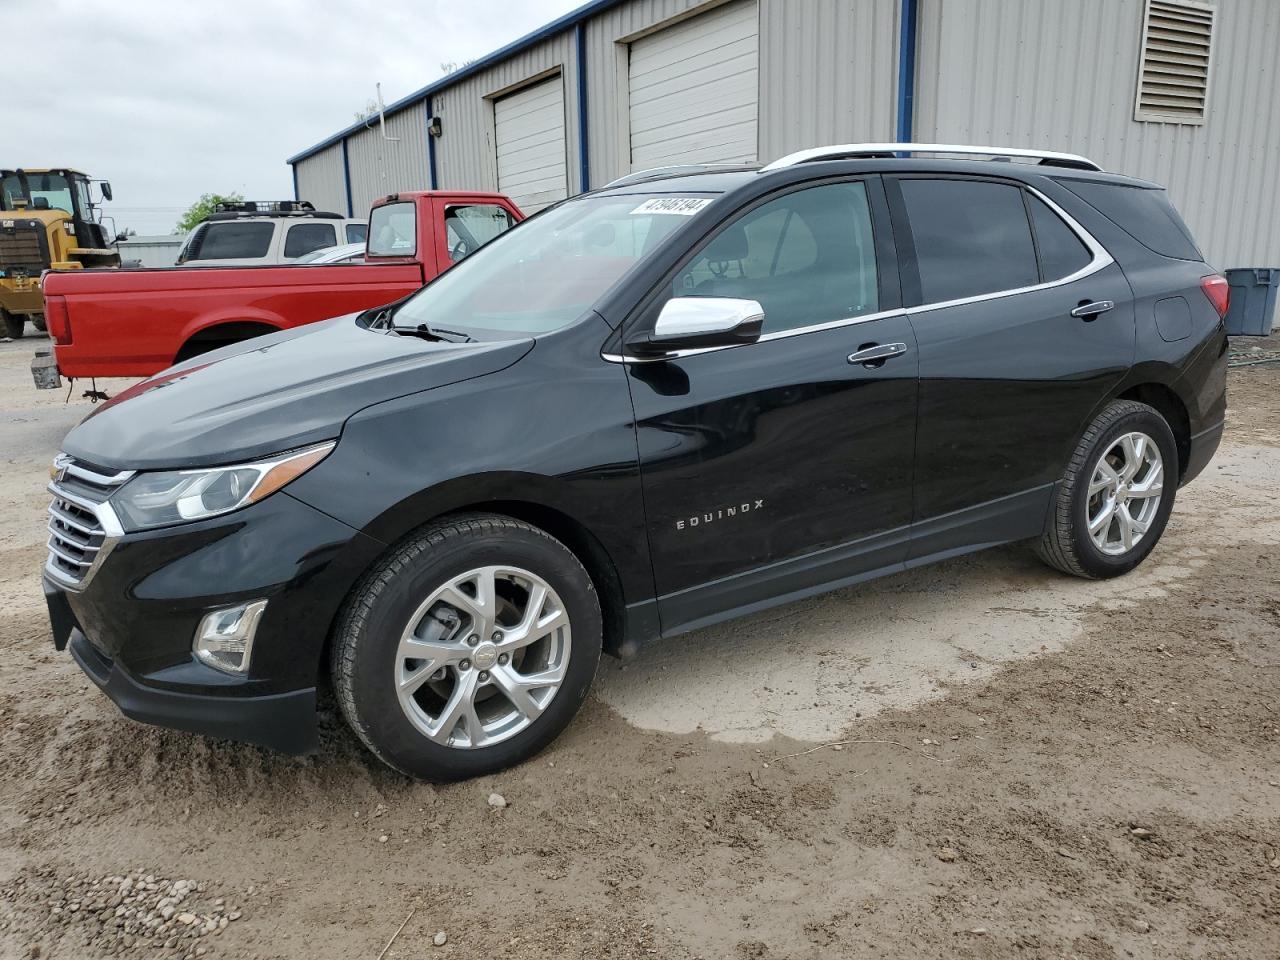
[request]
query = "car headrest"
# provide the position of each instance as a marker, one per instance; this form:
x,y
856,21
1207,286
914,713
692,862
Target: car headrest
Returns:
x,y
40,203
730,245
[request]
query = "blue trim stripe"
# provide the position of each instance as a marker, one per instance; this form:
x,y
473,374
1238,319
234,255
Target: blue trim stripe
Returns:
x,y
570,19
584,154
431,151
906,70
346,175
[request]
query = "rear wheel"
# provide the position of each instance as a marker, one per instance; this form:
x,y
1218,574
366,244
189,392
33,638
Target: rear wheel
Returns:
x,y
12,324
468,649
1114,501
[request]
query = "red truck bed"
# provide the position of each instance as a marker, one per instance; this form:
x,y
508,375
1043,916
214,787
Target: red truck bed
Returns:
x,y
137,322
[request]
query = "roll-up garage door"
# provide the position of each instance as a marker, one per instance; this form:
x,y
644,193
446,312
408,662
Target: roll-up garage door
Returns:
x,y
529,129
694,96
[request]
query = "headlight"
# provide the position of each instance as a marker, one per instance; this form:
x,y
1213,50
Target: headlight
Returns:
x,y
180,496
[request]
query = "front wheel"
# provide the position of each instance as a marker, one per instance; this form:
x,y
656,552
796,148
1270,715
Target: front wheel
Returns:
x,y
1113,503
468,649
12,324
40,323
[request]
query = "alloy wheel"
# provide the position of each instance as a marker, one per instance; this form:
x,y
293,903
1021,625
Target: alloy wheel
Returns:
x,y
1124,493
483,657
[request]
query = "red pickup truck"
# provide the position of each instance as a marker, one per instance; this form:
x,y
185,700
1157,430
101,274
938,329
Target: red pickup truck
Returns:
x,y
136,322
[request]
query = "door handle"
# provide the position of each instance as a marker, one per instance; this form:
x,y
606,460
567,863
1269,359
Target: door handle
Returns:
x,y
875,354
1091,308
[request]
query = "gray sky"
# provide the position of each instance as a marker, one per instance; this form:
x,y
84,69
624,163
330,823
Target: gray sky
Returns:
x,y
169,100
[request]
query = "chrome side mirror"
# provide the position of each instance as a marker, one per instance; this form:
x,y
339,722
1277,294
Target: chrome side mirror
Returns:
x,y
688,323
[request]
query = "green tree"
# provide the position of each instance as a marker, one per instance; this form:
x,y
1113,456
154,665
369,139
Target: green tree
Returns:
x,y
201,209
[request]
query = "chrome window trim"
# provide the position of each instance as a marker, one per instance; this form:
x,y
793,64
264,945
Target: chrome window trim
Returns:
x,y
764,338
1101,260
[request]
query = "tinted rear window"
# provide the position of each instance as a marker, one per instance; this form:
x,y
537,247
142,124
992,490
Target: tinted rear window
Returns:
x,y
232,241
304,238
1062,253
1145,214
972,237
357,232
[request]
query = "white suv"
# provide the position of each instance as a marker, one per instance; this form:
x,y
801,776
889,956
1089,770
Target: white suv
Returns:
x,y
255,234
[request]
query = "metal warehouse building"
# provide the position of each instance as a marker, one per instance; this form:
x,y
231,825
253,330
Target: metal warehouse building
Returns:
x,y
1183,93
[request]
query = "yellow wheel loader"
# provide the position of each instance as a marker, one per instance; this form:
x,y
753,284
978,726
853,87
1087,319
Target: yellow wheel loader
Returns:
x,y
48,221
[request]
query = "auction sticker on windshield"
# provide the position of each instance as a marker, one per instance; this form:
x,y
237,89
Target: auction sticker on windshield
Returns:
x,y
682,206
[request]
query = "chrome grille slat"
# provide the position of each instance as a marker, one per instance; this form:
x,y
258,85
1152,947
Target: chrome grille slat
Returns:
x,y
68,558
82,539
62,515
82,526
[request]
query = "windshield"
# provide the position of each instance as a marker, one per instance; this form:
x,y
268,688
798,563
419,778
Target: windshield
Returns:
x,y
547,272
48,191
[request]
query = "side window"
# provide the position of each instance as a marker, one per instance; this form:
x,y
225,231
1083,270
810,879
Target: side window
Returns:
x,y
808,257
230,240
971,236
393,230
1062,253
357,232
470,227
303,238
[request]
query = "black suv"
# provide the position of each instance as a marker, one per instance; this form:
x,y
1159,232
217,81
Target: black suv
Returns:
x,y
693,394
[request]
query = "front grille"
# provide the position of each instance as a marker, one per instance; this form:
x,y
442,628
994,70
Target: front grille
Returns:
x,y
82,525
22,247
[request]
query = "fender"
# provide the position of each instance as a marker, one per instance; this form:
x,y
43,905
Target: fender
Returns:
x,y
222,315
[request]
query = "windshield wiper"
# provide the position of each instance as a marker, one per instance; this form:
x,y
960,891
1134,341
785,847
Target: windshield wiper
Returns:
x,y
436,333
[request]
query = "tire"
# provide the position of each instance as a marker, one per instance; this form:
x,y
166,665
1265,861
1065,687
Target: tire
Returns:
x,y
40,323
426,582
1111,442
12,324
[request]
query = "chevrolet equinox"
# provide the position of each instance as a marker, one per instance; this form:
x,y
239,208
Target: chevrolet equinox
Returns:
x,y
694,394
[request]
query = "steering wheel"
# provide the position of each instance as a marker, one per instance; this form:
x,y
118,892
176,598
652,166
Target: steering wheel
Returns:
x,y
459,250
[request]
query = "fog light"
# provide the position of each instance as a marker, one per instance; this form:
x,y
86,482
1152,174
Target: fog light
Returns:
x,y
224,639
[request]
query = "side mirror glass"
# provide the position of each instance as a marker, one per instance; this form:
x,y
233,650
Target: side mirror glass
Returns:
x,y
106,190
688,323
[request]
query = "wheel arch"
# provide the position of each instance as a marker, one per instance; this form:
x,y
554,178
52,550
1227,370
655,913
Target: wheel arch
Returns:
x,y
220,334
1170,406
533,499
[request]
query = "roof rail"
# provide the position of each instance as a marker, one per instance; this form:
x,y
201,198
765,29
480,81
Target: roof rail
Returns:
x,y
847,151
675,170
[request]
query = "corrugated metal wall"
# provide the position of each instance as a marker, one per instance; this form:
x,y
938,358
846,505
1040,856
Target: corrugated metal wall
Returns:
x,y
321,181
1061,74
828,73
465,157
607,102
379,166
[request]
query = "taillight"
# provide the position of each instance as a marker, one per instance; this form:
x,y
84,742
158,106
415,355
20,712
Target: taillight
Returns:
x,y
57,320
1219,293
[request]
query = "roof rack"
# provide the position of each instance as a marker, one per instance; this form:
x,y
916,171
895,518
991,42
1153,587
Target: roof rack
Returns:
x,y
676,170
847,151
240,209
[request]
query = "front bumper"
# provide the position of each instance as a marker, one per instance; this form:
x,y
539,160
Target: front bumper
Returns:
x,y
130,627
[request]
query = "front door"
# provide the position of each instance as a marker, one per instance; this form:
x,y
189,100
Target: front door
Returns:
x,y
1008,375
776,467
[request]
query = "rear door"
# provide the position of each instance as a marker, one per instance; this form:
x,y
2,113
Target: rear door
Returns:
x,y
992,273
774,467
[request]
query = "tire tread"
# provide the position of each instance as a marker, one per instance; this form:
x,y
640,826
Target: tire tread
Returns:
x,y
358,608
1056,546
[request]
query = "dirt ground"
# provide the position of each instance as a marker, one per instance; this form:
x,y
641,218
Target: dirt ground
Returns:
x,y
1032,767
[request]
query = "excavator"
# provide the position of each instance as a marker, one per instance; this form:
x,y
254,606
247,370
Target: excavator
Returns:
x,y
48,221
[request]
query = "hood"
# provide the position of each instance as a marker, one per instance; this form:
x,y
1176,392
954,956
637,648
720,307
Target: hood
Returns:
x,y
273,393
